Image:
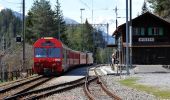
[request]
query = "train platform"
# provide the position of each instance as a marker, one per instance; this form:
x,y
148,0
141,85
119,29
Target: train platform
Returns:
x,y
138,69
108,70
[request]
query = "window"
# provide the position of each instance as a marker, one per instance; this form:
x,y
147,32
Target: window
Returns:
x,y
155,31
161,31
40,52
139,31
149,31
54,52
135,31
142,31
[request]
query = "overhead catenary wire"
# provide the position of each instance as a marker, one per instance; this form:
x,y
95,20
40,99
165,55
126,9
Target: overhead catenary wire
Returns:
x,y
85,4
12,3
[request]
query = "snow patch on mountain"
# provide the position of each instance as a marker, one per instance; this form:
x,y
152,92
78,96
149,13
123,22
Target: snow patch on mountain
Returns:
x,y
1,7
70,21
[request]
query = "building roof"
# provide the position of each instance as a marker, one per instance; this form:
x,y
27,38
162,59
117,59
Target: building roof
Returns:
x,y
139,18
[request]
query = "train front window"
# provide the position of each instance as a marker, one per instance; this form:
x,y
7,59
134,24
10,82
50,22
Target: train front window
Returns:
x,y
40,52
54,52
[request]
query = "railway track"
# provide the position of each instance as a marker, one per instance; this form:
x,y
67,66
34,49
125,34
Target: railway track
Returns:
x,y
45,92
7,84
99,81
22,86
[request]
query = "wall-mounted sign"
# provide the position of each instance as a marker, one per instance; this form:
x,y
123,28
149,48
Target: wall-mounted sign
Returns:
x,y
146,39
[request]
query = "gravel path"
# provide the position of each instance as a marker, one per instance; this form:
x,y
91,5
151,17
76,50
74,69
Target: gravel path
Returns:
x,y
124,92
159,80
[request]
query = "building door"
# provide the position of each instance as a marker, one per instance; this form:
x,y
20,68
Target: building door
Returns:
x,y
148,59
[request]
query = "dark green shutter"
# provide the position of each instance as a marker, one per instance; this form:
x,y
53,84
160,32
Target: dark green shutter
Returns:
x,y
161,31
149,31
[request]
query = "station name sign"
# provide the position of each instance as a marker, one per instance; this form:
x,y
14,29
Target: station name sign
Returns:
x,y
146,39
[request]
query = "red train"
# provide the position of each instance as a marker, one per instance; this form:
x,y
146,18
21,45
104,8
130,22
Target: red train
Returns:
x,y
51,56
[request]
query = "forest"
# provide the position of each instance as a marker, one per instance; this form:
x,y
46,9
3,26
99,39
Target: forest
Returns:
x,y
42,21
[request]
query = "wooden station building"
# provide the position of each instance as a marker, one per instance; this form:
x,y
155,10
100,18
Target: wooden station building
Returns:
x,y
150,40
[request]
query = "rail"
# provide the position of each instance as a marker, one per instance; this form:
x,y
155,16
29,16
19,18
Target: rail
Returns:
x,y
99,81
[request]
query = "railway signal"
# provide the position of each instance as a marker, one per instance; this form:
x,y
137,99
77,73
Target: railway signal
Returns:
x,y
18,39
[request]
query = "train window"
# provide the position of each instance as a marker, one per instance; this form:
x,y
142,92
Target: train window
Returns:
x,y
40,52
54,52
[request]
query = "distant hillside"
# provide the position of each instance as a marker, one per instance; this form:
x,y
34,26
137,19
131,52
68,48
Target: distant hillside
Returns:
x,y
111,40
70,21
17,14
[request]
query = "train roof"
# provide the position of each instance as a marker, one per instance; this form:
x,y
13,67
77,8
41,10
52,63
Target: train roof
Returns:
x,y
47,42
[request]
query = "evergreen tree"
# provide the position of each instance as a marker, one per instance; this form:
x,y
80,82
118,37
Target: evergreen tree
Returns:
x,y
87,36
73,35
161,7
59,22
31,37
144,8
10,26
42,18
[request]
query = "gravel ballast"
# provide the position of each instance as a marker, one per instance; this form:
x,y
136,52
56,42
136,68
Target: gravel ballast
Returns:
x,y
158,80
74,94
124,92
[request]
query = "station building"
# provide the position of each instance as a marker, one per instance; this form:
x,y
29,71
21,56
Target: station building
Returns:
x,y
150,40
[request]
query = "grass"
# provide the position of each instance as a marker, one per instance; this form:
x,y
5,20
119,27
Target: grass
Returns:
x,y
131,82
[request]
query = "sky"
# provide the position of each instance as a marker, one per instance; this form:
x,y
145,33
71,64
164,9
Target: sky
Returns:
x,y
103,10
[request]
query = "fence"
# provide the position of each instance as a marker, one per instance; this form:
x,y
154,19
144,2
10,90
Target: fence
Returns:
x,y
14,75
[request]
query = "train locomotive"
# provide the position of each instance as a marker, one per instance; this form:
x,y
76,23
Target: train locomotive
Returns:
x,y
52,57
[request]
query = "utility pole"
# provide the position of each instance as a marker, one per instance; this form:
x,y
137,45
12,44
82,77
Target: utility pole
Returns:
x,y
81,15
130,34
82,28
116,16
127,39
107,42
119,40
3,43
92,11
58,20
23,32
2,61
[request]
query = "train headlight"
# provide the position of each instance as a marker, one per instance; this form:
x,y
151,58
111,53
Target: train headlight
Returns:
x,y
54,64
37,64
57,60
